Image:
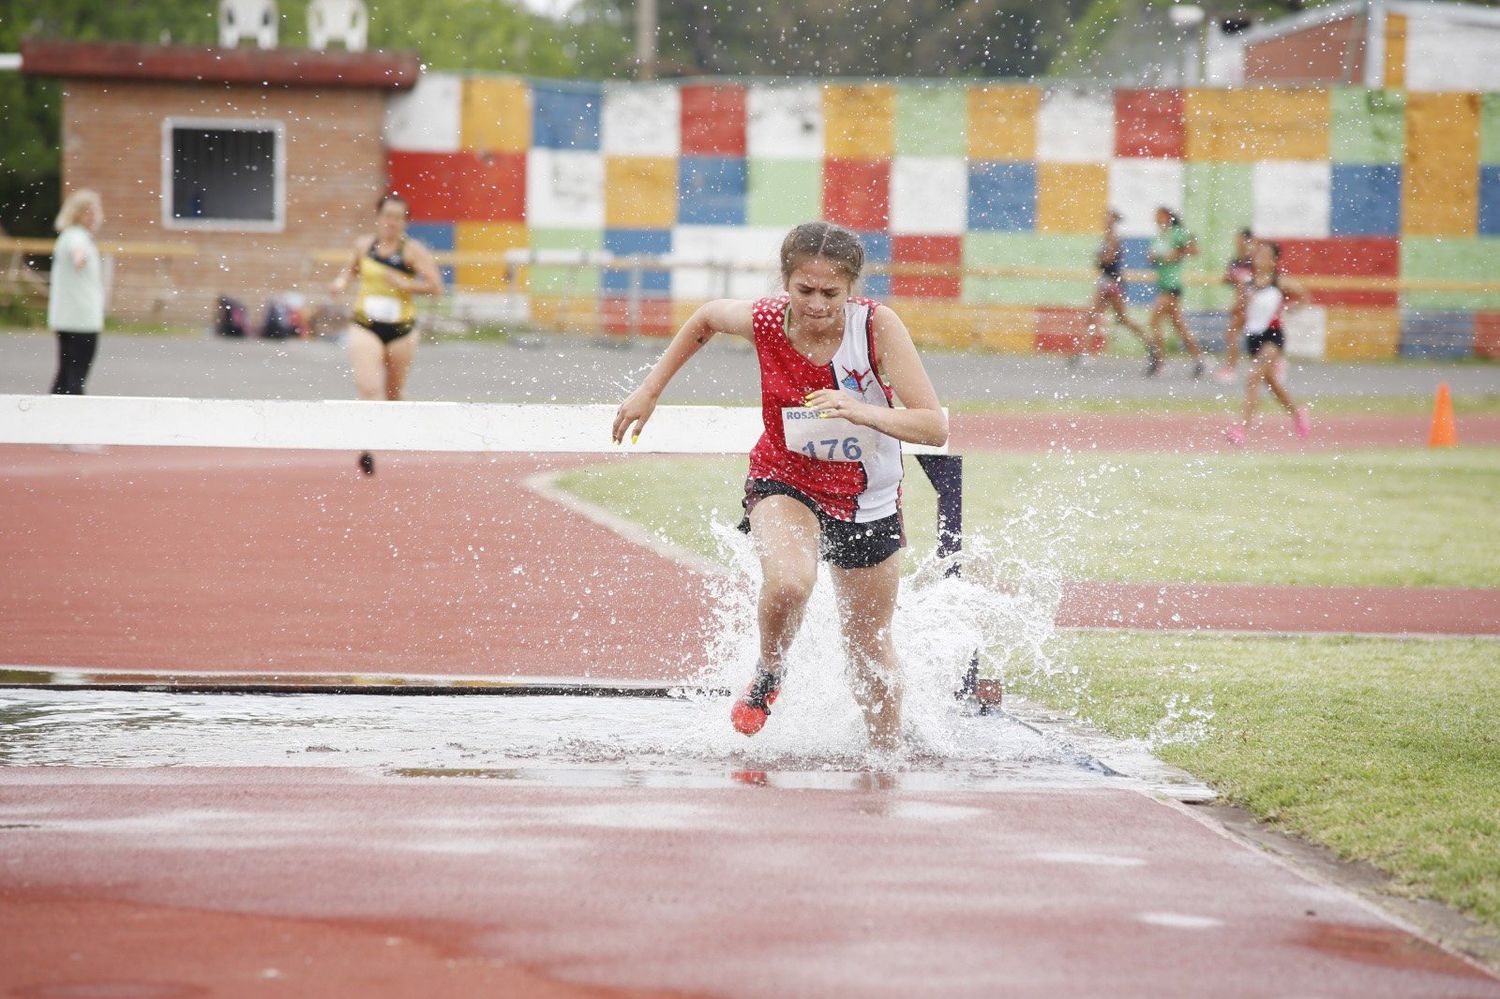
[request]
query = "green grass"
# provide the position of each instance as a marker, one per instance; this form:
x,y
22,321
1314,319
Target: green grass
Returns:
x,y
1366,518
1324,405
1384,750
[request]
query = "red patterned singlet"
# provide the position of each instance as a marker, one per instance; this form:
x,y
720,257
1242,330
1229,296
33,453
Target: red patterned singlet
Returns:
x,y
861,490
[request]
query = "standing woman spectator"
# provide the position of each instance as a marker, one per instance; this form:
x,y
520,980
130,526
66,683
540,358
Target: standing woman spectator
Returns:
x,y
75,300
1171,247
391,268
825,475
1237,274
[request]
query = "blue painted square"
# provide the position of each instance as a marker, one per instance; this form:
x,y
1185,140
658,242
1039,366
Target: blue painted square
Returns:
x,y
1002,196
634,241
1447,335
1366,200
1489,201
437,237
711,190
566,116
877,251
1137,250
1209,327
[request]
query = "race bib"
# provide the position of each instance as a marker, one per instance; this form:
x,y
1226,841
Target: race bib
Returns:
x,y
382,309
830,438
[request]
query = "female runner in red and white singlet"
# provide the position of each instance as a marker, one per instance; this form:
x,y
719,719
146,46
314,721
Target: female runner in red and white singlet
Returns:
x,y
1265,342
825,476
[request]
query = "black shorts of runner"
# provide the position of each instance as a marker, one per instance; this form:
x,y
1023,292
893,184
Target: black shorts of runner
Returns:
x,y
841,542
1169,292
1255,341
389,333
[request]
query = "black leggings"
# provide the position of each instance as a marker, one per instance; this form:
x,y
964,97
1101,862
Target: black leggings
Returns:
x,y
75,355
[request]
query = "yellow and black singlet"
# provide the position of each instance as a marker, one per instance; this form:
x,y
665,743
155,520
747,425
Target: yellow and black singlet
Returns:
x,y
382,308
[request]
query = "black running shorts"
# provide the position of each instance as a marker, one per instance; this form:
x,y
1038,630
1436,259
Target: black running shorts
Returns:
x,y
843,543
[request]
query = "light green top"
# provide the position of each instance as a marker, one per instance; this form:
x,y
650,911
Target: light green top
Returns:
x,y
75,302
1169,272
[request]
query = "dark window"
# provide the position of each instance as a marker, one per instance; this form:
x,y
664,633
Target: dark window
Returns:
x,y
224,174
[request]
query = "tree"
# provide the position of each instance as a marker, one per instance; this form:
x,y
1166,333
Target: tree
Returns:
x,y
974,38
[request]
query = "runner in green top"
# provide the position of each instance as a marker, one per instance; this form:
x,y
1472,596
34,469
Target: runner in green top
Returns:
x,y
1173,245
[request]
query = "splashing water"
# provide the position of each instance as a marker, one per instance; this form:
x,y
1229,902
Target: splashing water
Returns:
x,y
949,609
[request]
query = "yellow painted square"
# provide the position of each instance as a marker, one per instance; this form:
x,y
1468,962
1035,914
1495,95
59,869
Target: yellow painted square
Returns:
x,y
935,323
1002,122
479,249
682,311
859,121
1071,197
1006,329
496,116
566,313
1394,70
640,192
1440,172
1243,126
1362,334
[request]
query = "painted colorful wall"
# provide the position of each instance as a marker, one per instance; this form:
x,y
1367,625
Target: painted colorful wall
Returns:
x,y
999,188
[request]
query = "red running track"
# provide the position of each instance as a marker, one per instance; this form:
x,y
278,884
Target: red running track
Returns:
x,y
291,563
316,883
283,562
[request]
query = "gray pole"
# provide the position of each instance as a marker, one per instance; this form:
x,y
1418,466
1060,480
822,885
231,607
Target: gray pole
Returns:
x,y
645,39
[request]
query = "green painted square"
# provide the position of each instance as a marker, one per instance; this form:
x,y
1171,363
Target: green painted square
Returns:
x,y
1030,249
566,281
1368,126
1476,260
932,120
1489,129
1217,204
784,192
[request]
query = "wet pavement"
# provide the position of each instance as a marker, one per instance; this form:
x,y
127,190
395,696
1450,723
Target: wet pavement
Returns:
x,y
114,877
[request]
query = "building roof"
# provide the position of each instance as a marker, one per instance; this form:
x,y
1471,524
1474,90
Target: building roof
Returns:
x,y
191,64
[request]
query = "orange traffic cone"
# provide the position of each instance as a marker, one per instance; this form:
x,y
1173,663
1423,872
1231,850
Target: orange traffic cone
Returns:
x,y
1444,432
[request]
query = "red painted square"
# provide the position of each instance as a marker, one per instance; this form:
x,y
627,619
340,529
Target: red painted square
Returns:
x,y
1148,123
1487,335
431,183
713,120
1352,256
1067,331
492,187
653,317
857,193
944,250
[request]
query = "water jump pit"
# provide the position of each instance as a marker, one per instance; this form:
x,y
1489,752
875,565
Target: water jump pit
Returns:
x,y
550,731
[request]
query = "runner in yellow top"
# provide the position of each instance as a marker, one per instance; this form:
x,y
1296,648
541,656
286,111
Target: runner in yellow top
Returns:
x,y
391,269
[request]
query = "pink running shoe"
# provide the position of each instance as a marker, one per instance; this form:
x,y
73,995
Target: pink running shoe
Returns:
x,y
1300,422
1224,375
1236,435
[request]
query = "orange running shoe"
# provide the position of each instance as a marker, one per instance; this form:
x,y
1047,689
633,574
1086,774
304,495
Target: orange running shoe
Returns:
x,y
750,712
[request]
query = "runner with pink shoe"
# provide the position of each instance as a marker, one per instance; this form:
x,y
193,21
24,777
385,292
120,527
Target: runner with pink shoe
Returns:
x,y
1270,293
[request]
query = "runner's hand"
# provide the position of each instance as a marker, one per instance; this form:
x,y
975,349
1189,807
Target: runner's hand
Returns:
x,y
836,402
633,412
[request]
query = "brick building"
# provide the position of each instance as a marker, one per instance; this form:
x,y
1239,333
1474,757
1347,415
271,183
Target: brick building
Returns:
x,y
253,160
1398,44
